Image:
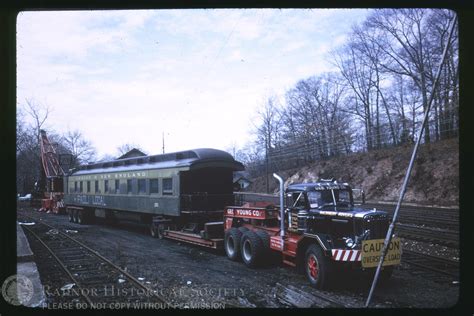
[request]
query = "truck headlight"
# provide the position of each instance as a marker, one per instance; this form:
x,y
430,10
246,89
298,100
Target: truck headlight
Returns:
x,y
349,242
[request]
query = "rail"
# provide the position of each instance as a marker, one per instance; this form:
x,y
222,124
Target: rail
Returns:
x,y
93,276
433,267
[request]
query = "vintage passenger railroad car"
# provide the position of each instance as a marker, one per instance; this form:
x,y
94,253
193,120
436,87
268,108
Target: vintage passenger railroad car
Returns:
x,y
181,187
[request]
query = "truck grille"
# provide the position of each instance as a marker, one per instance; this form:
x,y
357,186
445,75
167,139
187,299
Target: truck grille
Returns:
x,y
377,224
293,221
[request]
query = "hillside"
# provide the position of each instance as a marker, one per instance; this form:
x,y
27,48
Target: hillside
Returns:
x,y
434,179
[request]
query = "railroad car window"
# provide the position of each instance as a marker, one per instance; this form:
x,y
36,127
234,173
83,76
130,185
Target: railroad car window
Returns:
x,y
75,186
97,186
141,186
80,187
106,186
168,186
117,186
88,186
129,186
153,186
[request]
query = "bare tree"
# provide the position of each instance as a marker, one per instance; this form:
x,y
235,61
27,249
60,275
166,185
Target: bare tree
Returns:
x,y
268,130
29,168
361,77
27,156
376,99
407,42
81,149
39,114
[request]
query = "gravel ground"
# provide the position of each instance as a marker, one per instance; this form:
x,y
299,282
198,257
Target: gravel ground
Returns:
x,y
191,276
431,249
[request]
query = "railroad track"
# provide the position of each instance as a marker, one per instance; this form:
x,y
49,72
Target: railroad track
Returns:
x,y
432,267
439,236
95,279
447,218
295,297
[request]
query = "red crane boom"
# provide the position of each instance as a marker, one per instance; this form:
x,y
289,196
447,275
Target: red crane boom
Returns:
x,y
54,176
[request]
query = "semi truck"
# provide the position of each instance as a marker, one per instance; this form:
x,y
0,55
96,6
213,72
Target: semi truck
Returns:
x,y
187,196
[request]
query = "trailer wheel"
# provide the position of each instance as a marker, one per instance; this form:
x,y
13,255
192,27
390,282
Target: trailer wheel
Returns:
x,y
80,217
160,231
317,267
71,215
251,249
153,231
74,216
232,243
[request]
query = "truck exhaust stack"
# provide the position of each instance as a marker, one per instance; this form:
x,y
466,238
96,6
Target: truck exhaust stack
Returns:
x,y
282,210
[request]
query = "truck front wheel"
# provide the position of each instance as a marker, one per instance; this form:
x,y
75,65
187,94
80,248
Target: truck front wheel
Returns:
x,y
317,267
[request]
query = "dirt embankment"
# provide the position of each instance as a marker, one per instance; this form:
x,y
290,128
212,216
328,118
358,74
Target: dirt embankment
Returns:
x,y
434,179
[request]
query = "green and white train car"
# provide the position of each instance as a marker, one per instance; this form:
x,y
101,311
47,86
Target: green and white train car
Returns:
x,y
181,188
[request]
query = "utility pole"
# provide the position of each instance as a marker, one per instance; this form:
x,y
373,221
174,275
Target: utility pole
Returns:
x,y
163,138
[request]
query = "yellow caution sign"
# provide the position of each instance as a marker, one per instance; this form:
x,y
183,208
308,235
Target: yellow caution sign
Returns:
x,y
372,250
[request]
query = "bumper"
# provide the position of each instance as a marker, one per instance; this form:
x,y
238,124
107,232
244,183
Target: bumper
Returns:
x,y
346,255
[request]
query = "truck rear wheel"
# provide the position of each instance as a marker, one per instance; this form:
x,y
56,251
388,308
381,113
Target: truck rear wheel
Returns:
x,y
251,249
317,267
243,229
268,255
232,243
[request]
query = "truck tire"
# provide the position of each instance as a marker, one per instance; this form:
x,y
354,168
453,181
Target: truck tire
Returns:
x,y
243,229
267,253
317,267
251,249
232,243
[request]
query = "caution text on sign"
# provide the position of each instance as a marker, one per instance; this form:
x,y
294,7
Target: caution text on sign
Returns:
x,y
372,250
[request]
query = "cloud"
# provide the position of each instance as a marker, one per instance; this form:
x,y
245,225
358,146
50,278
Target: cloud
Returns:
x,y
198,75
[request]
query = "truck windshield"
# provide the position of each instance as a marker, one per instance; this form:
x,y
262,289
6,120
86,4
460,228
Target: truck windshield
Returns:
x,y
318,199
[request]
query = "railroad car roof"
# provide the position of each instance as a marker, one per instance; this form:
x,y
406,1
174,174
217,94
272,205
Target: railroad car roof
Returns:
x,y
194,158
315,186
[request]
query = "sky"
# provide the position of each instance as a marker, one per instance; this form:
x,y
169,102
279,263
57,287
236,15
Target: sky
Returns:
x,y
198,76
